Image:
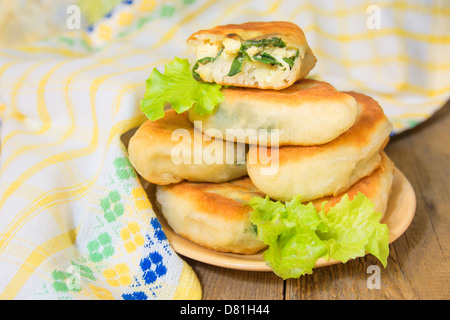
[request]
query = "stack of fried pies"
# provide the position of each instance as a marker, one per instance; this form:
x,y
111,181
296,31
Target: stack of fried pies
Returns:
x,y
277,133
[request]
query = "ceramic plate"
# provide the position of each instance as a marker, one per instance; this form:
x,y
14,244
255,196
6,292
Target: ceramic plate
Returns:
x,y
400,211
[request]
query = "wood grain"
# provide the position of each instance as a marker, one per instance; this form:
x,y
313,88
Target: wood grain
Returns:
x,y
418,265
226,284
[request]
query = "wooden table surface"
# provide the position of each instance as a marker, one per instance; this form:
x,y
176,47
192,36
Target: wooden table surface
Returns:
x,y
418,264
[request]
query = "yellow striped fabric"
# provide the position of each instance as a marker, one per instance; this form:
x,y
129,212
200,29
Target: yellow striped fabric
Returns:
x,y
75,222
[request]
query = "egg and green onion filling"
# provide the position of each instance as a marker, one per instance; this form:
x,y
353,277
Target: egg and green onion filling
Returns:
x,y
270,51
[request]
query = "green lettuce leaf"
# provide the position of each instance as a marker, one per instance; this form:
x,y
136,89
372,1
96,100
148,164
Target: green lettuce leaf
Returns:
x,y
295,252
178,87
289,230
268,216
307,213
354,228
297,234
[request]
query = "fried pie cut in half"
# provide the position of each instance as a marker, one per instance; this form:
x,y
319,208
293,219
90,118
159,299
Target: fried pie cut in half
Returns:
x,y
265,55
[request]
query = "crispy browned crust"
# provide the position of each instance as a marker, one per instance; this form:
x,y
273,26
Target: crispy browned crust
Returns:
x,y
257,30
217,198
302,91
210,197
164,127
150,152
218,249
371,120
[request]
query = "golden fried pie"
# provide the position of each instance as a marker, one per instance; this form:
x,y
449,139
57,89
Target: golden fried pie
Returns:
x,y
170,150
318,171
309,112
212,215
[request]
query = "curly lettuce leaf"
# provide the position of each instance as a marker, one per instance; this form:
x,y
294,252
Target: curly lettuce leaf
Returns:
x,y
178,88
354,228
295,252
269,218
307,213
289,230
298,235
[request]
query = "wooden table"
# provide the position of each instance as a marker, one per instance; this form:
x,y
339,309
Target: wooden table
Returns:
x,y
418,265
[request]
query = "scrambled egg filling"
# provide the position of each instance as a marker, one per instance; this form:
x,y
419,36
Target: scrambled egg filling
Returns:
x,y
268,57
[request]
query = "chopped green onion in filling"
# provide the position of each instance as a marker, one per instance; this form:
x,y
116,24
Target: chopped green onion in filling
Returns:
x,y
290,61
243,54
204,61
267,59
236,65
